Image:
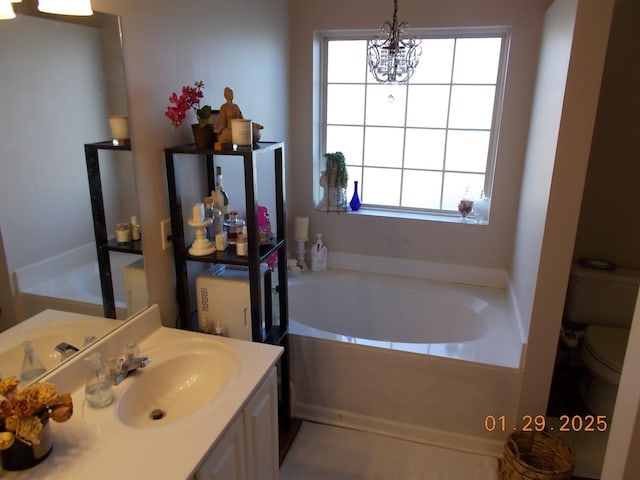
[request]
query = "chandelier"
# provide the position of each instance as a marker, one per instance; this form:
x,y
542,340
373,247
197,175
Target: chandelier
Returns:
x,y
393,59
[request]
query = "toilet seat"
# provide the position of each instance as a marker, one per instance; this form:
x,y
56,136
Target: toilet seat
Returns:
x,y
607,345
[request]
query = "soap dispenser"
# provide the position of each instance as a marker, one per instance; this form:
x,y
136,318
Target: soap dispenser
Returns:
x,y
97,391
319,255
32,367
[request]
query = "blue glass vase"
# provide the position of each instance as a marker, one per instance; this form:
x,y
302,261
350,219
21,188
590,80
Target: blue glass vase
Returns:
x,y
355,200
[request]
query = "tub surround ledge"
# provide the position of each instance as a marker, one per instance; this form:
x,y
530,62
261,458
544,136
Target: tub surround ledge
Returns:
x,y
424,270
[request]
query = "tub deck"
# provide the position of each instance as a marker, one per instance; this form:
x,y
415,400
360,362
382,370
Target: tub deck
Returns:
x,y
71,282
498,344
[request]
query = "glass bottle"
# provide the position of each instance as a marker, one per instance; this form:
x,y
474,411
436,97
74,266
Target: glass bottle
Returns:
x,y
135,229
355,200
212,212
234,227
242,245
481,208
32,367
98,391
466,204
220,197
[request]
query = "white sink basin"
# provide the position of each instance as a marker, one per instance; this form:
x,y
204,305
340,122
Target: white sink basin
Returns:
x,y
44,339
182,378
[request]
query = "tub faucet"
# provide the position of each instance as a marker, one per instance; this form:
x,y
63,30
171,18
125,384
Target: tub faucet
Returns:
x,y
120,368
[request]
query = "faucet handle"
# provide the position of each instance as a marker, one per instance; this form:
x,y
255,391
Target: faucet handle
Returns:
x,y
115,371
131,351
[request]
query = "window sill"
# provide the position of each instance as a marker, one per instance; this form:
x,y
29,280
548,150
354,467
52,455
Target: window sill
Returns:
x,y
426,217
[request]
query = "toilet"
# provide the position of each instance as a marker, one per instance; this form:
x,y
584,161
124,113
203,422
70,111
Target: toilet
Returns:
x,y
604,302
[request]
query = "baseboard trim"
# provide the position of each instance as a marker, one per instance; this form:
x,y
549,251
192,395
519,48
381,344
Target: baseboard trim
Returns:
x,y
403,431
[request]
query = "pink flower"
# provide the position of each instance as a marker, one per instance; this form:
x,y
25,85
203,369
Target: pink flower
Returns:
x,y
189,99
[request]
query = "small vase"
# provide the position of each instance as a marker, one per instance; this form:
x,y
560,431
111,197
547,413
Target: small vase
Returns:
x,y
204,137
355,200
21,455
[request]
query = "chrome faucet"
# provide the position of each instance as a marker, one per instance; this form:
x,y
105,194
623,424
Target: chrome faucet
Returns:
x,y
66,350
120,368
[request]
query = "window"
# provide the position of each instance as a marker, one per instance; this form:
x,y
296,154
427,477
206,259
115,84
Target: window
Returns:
x,y
417,146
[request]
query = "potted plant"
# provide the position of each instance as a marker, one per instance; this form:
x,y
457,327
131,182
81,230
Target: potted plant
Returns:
x,y
334,180
190,99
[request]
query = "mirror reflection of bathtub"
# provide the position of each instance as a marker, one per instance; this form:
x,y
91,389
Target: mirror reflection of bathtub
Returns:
x,y
71,282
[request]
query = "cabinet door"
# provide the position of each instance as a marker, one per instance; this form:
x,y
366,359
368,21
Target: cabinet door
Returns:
x,y
227,461
261,431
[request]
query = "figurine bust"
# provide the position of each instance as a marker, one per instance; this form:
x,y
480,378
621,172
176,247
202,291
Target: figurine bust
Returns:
x,y
228,112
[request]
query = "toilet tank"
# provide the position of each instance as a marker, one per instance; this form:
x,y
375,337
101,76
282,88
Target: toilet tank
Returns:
x,y
601,297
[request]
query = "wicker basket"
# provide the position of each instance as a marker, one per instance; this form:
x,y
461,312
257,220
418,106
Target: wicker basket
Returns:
x,y
537,456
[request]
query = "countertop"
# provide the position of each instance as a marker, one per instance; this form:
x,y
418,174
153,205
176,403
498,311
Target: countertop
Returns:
x,y
95,445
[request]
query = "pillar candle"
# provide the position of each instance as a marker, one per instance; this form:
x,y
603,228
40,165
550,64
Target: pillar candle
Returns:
x,y
302,228
198,212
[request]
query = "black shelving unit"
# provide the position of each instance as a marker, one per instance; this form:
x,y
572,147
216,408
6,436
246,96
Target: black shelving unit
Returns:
x,y
103,244
263,329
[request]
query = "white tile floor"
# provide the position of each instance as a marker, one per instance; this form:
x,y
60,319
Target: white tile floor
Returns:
x,y
323,452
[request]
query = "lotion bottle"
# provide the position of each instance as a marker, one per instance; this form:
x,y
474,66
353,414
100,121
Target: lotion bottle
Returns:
x,y
319,255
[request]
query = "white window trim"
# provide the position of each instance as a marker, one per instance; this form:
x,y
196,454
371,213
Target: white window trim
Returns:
x,y
399,212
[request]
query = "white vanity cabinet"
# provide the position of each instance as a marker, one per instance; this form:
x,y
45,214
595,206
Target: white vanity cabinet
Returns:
x,y
261,431
228,460
248,450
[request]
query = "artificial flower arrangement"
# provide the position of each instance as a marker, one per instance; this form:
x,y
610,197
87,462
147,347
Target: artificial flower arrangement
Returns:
x,y
189,99
24,411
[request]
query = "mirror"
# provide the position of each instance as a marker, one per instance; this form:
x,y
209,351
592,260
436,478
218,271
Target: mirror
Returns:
x,y
62,77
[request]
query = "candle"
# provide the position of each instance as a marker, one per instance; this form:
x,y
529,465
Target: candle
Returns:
x,y
302,228
198,212
241,130
119,127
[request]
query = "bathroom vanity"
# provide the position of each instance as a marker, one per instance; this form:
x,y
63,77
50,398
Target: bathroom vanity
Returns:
x,y
218,402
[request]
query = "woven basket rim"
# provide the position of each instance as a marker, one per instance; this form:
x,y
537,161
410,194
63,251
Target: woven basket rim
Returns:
x,y
560,448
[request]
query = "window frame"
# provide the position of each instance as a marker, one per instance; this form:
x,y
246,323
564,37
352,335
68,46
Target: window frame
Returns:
x,y
503,32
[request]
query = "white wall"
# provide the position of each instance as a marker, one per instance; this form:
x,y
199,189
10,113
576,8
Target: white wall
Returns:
x,y
455,243
607,228
569,74
621,459
167,44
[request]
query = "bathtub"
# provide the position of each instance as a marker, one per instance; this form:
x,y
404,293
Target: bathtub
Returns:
x,y
71,282
408,357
